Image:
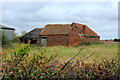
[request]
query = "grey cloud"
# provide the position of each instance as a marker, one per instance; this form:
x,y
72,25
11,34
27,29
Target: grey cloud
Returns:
x,y
26,16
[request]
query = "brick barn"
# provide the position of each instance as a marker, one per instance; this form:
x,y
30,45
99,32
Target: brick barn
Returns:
x,y
67,35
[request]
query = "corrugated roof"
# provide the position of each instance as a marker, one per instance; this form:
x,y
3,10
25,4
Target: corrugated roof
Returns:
x,y
33,33
37,30
52,29
5,27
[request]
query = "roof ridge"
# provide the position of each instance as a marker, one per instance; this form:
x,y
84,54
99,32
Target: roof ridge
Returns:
x,y
38,28
78,23
56,24
6,27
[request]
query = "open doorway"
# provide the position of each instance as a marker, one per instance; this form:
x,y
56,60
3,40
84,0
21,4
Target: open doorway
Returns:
x,y
33,41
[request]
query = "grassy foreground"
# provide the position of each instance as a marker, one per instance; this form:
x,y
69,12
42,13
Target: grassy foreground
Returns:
x,y
102,51
25,62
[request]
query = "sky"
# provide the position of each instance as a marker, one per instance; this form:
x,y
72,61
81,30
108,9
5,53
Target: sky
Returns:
x,y
101,17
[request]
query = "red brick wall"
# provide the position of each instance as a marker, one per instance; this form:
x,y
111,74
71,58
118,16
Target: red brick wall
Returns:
x,y
74,37
92,39
56,40
89,40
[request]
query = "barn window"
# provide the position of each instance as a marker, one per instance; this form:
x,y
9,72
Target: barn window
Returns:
x,y
81,35
91,36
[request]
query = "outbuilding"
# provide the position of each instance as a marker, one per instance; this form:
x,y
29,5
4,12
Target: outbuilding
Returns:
x,y
7,31
31,36
67,35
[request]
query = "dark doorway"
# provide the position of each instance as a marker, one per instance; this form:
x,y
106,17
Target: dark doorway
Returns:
x,y
33,41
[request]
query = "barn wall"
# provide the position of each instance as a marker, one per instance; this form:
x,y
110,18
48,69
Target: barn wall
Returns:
x,y
56,40
74,37
89,40
8,33
67,40
92,39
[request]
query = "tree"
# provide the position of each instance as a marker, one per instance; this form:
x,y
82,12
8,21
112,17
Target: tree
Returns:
x,y
23,33
117,40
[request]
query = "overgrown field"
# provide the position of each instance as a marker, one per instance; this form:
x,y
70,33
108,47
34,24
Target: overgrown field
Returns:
x,y
24,61
102,51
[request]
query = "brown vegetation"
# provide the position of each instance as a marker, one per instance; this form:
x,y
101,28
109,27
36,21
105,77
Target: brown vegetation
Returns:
x,y
21,65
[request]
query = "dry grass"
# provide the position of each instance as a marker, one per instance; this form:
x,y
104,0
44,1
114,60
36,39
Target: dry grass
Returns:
x,y
25,62
103,51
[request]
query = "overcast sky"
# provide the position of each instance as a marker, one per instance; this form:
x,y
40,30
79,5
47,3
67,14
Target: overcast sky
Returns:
x,y
102,17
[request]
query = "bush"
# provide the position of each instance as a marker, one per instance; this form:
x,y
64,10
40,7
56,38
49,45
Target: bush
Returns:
x,y
117,40
13,69
16,39
21,65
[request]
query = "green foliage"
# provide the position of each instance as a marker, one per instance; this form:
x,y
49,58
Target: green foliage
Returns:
x,y
5,40
22,65
117,40
22,50
23,33
12,64
16,38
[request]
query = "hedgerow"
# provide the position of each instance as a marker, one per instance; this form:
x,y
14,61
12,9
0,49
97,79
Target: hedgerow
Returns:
x,y
21,65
